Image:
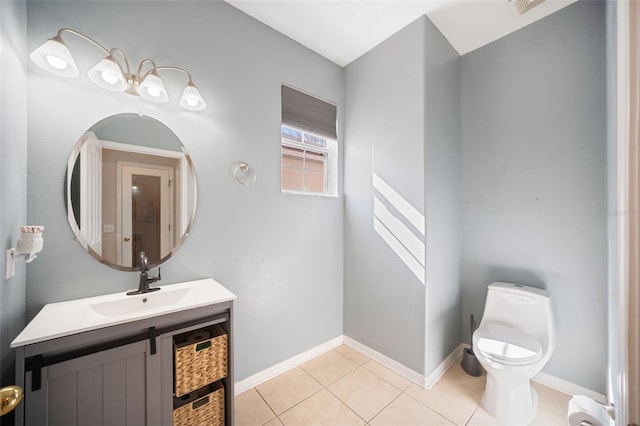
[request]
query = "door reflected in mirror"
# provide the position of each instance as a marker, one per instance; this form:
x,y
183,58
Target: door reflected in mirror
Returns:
x,y
130,187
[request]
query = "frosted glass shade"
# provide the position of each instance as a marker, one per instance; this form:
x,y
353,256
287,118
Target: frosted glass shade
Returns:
x,y
152,88
108,75
55,57
191,98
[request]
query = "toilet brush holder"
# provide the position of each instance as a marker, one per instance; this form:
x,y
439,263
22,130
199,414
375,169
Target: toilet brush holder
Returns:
x,y
470,363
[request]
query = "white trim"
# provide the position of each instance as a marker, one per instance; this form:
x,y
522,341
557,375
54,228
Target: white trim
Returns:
x,y
139,149
390,363
284,366
317,194
442,368
622,133
568,387
426,382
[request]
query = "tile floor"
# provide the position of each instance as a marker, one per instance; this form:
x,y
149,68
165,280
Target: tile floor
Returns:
x,y
344,387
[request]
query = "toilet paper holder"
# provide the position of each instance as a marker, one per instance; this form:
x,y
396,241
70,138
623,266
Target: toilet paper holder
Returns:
x,y
584,411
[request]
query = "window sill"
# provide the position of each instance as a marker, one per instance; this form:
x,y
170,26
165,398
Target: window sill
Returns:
x,y
312,194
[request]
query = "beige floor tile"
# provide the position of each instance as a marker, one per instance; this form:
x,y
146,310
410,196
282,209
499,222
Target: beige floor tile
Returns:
x,y
251,410
364,392
288,389
456,374
321,409
553,406
449,399
352,354
274,422
482,418
406,411
329,367
387,375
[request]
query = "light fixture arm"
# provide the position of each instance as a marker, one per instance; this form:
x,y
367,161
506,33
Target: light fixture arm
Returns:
x,y
145,61
126,61
99,46
170,68
87,38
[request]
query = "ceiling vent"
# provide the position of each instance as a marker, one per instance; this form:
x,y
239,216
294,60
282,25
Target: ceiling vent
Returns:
x,y
523,6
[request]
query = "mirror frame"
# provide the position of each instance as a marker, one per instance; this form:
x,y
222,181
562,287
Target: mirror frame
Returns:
x,y
71,219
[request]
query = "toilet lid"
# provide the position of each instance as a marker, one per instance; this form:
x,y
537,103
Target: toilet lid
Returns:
x,y
507,345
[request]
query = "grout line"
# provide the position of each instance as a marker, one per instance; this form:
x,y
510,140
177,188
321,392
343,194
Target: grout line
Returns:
x,y
340,377
458,381
382,378
432,409
383,408
265,401
472,414
344,402
298,403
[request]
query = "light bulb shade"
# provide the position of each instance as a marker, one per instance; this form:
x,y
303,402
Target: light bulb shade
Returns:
x,y
108,75
152,88
192,99
55,57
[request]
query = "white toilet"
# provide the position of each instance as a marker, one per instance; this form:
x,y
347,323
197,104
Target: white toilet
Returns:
x,y
515,339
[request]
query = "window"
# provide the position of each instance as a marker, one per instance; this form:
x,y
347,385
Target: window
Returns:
x,y
308,143
304,162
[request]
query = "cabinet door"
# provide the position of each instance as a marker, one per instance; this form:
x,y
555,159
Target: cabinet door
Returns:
x,y
101,389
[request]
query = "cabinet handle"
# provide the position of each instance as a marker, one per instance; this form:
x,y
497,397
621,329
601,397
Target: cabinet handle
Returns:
x,y
200,403
127,239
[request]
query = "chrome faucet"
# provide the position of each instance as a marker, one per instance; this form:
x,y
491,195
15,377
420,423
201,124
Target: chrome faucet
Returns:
x,y
145,279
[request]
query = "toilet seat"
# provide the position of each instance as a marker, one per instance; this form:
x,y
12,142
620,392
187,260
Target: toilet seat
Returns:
x,y
507,346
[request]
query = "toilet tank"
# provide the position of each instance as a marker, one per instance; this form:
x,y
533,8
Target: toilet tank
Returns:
x,y
522,308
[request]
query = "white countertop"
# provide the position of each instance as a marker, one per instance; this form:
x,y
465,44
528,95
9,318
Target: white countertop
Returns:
x,y
76,316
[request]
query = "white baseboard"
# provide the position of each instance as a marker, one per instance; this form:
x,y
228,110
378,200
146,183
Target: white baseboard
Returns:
x,y
390,363
568,387
284,366
442,368
424,381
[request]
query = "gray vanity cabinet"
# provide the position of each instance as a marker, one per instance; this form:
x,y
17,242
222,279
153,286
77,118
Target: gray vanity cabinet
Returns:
x,y
118,375
110,387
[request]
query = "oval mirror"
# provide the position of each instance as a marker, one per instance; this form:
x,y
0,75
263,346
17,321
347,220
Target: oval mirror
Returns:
x,y
130,187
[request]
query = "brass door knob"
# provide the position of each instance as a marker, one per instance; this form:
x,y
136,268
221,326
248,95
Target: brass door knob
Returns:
x,y
10,397
127,239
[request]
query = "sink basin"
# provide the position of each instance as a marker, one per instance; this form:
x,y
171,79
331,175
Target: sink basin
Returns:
x,y
76,316
129,304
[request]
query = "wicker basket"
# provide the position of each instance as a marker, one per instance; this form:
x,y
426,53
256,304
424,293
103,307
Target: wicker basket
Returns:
x,y
202,362
207,410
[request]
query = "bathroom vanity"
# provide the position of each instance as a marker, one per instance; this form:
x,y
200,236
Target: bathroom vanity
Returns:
x,y
110,359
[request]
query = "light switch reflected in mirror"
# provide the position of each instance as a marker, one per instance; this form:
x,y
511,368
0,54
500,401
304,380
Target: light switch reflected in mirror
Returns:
x,y
130,187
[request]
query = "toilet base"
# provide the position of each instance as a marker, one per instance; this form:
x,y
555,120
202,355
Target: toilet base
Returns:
x,y
510,400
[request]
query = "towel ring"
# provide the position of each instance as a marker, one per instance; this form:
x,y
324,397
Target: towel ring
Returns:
x,y
244,174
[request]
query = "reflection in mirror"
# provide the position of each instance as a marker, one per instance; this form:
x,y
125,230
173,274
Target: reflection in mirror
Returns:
x,y
130,187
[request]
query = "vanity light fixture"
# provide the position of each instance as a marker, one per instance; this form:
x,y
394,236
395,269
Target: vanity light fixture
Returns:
x,y
109,73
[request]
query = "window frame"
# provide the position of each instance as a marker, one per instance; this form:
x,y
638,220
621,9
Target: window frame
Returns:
x,y
330,163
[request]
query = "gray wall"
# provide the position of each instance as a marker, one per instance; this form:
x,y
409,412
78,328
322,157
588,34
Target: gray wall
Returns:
x,y
403,124
534,195
442,195
281,254
13,176
384,302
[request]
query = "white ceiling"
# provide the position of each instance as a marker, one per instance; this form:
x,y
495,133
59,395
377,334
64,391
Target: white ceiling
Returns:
x,y
342,30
